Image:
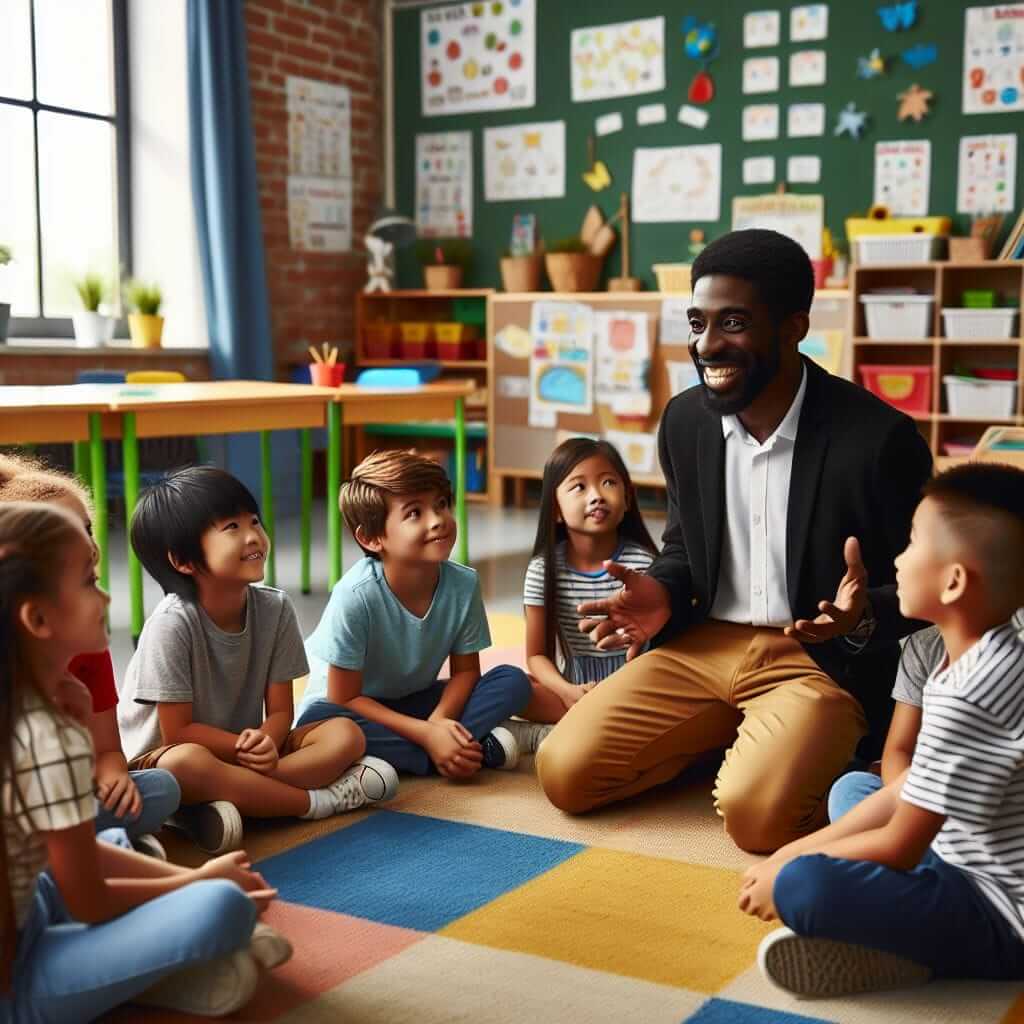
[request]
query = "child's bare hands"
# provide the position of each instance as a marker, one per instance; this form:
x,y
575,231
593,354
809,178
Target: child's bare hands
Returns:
x,y
119,795
452,748
757,887
236,867
256,750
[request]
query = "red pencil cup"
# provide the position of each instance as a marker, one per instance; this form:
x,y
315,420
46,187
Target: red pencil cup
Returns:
x,y
325,375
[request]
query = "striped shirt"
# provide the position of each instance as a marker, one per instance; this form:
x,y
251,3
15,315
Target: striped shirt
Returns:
x,y
582,661
969,766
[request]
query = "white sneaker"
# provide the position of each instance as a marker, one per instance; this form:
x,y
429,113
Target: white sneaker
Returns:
x,y
216,827
150,846
268,947
369,781
212,989
824,969
529,735
501,751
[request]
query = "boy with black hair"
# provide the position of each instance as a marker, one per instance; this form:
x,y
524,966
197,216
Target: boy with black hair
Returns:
x,y
392,621
926,876
208,692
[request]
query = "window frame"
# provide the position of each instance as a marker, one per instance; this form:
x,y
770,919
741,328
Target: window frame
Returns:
x,y
60,326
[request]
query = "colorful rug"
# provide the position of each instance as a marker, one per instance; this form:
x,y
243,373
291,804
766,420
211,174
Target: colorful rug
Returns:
x,y
463,902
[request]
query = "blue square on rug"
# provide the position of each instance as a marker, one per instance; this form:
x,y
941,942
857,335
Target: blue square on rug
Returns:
x,y
726,1011
411,871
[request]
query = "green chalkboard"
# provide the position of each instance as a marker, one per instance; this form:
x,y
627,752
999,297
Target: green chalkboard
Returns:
x,y
847,166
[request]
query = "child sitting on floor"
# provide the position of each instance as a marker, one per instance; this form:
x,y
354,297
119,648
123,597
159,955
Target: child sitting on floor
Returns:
x,y
138,802
588,515
395,617
208,693
91,925
924,878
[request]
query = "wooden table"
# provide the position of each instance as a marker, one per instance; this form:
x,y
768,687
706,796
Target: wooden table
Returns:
x,y
88,414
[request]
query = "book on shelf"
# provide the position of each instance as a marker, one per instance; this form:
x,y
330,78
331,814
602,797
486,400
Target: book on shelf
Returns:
x,y
1013,247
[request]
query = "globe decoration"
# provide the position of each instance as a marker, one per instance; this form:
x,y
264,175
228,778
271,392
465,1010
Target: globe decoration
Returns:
x,y
700,43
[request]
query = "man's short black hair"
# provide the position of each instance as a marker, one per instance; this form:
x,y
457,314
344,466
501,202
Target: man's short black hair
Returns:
x,y
172,516
777,266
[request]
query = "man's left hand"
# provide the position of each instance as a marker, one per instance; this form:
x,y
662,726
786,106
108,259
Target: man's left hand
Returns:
x,y
842,615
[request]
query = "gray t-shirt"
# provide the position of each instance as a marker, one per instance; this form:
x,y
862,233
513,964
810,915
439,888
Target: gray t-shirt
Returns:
x,y
183,658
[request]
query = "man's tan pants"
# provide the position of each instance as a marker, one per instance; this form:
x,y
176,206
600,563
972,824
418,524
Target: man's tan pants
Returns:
x,y
792,730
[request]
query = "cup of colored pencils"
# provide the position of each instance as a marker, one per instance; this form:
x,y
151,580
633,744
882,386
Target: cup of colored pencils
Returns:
x,y
325,370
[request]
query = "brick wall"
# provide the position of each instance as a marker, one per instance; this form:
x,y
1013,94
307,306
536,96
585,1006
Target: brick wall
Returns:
x,y
337,41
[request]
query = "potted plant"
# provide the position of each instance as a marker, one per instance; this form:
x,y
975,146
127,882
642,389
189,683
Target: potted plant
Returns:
x,y
571,266
522,273
144,323
92,328
444,262
5,307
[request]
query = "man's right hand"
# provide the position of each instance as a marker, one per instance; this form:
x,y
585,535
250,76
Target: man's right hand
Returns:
x,y
634,615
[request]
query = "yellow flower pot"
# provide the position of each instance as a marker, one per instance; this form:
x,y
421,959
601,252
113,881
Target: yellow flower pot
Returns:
x,y
146,330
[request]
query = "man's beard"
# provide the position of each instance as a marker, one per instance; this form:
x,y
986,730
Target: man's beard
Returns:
x,y
758,372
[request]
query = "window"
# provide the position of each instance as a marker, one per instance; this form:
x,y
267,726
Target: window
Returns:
x,y
64,180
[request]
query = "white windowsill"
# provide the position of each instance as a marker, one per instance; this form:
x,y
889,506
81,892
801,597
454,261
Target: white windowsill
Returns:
x,y
67,347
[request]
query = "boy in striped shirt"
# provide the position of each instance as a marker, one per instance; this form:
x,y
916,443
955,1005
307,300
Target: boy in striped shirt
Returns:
x,y
926,877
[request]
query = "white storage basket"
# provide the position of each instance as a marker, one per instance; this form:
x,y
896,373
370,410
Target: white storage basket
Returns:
x,y
918,248
981,324
967,396
898,317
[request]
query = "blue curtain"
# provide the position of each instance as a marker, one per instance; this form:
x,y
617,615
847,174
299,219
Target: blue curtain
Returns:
x,y
225,195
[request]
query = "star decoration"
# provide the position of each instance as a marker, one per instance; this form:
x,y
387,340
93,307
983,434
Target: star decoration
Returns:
x,y
872,65
851,121
914,103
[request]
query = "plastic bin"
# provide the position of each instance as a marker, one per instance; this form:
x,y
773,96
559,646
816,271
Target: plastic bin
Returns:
x,y
906,387
971,396
978,298
416,331
919,248
455,332
379,340
958,449
425,349
471,310
979,323
898,317
456,349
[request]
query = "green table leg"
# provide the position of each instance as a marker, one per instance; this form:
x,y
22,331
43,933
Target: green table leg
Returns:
x,y
268,504
306,508
130,458
99,495
460,481
81,465
333,489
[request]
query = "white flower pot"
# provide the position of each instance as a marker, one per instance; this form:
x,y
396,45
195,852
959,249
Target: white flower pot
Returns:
x,y
92,330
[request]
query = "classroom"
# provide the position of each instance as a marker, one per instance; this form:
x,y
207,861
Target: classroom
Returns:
x,y
512,507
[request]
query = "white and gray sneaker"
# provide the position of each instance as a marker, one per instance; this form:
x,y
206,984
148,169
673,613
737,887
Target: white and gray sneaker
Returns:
x,y
150,846
269,947
824,969
501,751
216,827
369,781
212,989
529,735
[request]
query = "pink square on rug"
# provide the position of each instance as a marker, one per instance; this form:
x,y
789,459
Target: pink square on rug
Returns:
x,y
330,949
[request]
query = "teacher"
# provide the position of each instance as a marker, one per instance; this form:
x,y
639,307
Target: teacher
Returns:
x,y
782,480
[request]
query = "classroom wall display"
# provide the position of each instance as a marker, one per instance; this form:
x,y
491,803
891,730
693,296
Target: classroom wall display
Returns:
x,y
677,183
638,450
618,60
805,120
623,361
761,28
651,113
993,67
808,22
758,170
444,184
561,360
801,217
803,169
524,161
825,348
903,176
987,174
761,74
477,56
760,122
808,67
681,375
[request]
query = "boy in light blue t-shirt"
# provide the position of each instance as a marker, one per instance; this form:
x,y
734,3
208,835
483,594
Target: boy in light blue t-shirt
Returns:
x,y
392,621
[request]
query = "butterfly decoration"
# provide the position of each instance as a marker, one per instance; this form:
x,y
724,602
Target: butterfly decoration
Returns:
x,y
851,121
872,65
921,54
597,176
899,15
700,42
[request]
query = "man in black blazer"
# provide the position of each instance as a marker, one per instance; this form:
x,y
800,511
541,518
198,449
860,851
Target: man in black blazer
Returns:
x,y
781,481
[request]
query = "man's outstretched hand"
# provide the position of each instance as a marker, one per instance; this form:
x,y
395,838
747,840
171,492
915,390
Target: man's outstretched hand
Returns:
x,y
634,615
842,615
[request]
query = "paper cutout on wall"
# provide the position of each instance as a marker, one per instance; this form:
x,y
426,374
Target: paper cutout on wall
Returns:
x,y
513,341
805,120
524,161
700,43
677,183
914,103
987,174
622,59
825,348
608,124
851,121
511,386
674,328
637,450
444,185
477,56
693,116
760,121
761,28
903,176
803,169
899,16
799,217
921,55
758,170
651,113
808,22
623,362
871,66
994,59
561,358
681,376
760,74
807,67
